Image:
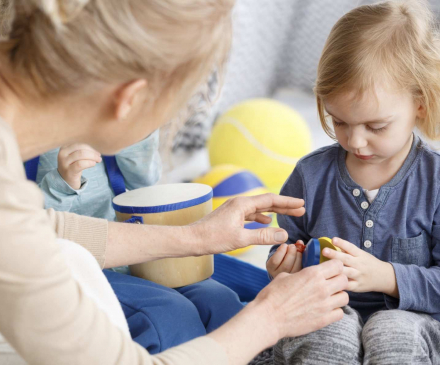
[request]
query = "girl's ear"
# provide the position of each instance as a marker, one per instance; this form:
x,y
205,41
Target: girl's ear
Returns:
x,y
126,98
420,109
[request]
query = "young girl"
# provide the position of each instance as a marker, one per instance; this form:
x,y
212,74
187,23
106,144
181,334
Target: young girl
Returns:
x,y
377,189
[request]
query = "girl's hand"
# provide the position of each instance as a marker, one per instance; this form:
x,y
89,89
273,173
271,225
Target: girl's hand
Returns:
x,y
365,272
223,230
287,258
73,159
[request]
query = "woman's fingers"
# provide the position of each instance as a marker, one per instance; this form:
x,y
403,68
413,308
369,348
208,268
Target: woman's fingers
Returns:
x,y
263,219
329,269
337,283
339,299
264,236
273,203
350,272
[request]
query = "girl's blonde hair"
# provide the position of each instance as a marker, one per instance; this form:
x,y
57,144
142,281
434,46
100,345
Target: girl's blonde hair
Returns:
x,y
395,41
63,46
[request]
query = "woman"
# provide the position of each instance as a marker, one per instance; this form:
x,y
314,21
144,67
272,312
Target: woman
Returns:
x,y
108,73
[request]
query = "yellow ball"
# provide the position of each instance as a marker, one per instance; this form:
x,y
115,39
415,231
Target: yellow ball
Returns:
x,y
228,181
263,136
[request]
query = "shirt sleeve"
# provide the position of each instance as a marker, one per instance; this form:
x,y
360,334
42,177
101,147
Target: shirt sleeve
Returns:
x,y
58,194
295,226
140,163
419,287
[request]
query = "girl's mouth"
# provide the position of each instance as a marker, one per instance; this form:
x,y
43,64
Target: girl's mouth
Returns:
x,y
364,157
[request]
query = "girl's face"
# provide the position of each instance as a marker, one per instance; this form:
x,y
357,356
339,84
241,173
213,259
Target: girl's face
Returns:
x,y
376,127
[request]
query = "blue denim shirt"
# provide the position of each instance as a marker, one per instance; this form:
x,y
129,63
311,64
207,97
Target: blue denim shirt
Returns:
x,y
140,165
401,226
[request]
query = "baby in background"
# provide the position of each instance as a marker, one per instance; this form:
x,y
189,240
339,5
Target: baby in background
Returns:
x,y
376,191
74,178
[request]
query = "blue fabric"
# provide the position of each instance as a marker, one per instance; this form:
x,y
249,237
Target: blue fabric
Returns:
x,y
31,168
405,216
139,164
243,278
160,317
114,175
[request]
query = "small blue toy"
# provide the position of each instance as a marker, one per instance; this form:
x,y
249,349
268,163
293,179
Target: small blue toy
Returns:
x,y
312,254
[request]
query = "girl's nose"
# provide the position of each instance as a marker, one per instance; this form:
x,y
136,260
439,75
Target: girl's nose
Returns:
x,y
356,139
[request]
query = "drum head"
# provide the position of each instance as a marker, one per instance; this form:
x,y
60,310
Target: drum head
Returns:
x,y
162,198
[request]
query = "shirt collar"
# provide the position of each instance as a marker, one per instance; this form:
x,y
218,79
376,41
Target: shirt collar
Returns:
x,y
414,152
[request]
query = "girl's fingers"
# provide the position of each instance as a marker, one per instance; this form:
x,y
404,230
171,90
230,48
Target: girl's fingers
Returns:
x,y
289,259
346,246
346,259
297,266
277,258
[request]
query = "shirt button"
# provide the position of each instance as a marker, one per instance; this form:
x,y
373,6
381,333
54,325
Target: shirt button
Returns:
x,y
365,205
356,192
369,223
367,244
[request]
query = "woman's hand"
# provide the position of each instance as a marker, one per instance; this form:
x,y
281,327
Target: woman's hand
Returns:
x,y
73,159
287,258
223,230
291,305
364,271
308,300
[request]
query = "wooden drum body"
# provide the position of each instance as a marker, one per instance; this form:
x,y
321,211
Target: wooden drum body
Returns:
x,y
170,205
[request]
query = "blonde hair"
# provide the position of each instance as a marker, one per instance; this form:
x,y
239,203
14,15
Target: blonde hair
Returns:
x,y
394,40
64,46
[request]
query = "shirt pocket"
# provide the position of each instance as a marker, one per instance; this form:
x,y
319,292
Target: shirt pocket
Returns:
x,y
412,251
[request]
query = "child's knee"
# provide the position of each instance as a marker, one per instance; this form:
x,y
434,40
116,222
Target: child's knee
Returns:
x,y
383,323
338,343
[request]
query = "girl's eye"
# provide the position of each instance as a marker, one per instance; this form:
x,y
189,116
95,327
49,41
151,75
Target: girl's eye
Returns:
x,y
376,130
337,124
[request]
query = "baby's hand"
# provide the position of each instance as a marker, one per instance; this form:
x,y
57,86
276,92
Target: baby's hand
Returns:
x,y
287,258
75,158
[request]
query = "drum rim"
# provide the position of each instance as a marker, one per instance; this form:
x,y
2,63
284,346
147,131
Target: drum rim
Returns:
x,y
163,208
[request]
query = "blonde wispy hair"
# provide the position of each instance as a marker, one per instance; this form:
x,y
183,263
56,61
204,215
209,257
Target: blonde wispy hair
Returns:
x,y
65,46
395,41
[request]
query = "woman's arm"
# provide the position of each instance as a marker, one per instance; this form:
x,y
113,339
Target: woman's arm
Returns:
x,y
221,231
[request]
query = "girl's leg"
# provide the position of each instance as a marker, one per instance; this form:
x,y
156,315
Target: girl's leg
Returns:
x,y
401,337
158,317
338,343
215,302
